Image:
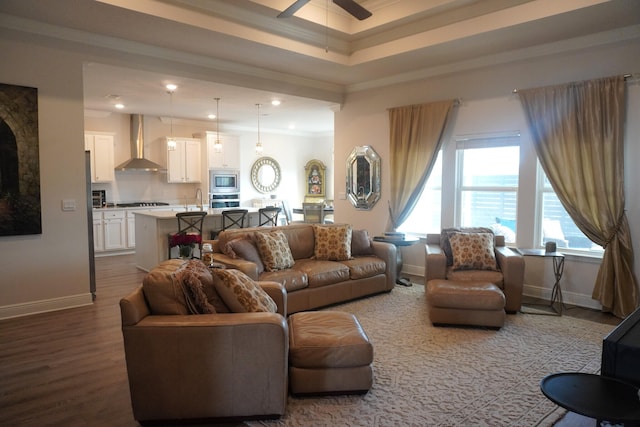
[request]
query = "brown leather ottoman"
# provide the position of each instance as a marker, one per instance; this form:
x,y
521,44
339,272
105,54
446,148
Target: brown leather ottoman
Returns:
x,y
465,303
329,352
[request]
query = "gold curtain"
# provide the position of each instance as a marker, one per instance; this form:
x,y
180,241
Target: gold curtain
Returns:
x,y
415,137
578,133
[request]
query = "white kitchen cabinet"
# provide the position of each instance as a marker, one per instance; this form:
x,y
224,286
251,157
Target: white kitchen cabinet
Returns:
x,y
228,157
98,232
131,230
115,231
183,162
101,146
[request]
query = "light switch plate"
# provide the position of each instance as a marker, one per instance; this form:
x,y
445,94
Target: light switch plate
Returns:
x,y
68,205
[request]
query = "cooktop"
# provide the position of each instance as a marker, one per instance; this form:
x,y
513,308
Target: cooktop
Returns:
x,y
139,204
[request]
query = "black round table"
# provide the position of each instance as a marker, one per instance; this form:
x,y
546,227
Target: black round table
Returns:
x,y
594,396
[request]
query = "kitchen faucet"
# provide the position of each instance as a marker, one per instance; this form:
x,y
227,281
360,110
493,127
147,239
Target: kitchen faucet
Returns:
x,y
199,197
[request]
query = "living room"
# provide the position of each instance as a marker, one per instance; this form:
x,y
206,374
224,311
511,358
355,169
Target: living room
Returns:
x,y
484,86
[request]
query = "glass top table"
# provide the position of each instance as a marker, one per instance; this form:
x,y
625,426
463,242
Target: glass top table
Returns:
x,y
558,268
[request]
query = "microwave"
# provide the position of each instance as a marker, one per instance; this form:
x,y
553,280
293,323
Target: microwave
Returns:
x,y
99,198
224,181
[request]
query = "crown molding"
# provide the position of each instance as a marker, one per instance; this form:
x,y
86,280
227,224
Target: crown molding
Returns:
x,y
290,83
565,46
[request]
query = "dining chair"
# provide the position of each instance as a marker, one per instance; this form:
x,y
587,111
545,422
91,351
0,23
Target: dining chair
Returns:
x,y
189,223
268,217
313,212
287,212
232,218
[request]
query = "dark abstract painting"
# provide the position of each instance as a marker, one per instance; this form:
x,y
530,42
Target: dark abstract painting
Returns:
x,y
19,161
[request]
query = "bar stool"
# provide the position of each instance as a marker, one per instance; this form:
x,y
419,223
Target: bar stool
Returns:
x,y
232,218
268,217
189,223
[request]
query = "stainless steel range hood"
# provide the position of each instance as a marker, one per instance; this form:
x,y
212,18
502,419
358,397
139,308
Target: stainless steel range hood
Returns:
x,y
137,161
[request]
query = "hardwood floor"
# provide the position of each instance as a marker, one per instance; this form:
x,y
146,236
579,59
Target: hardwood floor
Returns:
x,y
67,368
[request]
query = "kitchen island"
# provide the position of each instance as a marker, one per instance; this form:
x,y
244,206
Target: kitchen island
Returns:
x,y
154,226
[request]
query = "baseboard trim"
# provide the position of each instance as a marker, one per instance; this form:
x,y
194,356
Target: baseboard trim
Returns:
x,y
572,298
44,306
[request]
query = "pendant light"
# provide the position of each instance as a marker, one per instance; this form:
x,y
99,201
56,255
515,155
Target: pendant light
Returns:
x,y
258,144
218,144
171,143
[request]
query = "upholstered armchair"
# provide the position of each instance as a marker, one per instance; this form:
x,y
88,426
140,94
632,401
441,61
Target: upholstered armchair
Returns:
x,y
508,276
205,366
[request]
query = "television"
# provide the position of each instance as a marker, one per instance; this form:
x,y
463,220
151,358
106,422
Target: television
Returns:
x,y
621,351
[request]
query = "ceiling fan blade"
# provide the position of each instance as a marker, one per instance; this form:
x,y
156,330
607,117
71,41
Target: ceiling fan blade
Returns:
x,y
353,8
293,8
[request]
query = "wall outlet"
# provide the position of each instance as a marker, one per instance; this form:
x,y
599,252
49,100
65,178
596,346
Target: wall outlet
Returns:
x,y
69,205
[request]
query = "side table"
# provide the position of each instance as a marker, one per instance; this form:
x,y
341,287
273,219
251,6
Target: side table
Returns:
x,y
407,241
603,398
558,269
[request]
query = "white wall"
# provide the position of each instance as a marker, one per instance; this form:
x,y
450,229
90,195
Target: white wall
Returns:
x,y
488,105
50,270
292,153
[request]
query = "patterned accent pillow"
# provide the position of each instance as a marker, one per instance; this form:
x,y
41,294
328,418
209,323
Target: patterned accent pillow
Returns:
x,y
274,250
240,293
332,242
192,278
447,232
473,251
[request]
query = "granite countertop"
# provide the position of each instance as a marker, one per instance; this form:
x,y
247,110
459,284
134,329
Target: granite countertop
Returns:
x,y
115,206
171,213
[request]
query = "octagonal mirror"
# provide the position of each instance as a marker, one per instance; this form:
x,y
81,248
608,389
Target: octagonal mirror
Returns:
x,y
363,177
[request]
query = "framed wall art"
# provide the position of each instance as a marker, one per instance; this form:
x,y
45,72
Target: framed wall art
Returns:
x,y
20,209
315,180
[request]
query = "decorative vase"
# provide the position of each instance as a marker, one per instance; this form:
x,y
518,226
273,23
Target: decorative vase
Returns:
x,y
185,251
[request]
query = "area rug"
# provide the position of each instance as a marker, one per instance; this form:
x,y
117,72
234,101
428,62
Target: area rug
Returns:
x,y
453,376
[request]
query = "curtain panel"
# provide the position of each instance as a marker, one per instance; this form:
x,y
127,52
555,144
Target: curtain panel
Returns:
x,y
578,134
416,133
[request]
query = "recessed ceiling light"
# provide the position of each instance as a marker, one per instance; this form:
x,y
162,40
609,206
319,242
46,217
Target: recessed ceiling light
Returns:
x,y
211,116
119,106
171,87
275,102
292,125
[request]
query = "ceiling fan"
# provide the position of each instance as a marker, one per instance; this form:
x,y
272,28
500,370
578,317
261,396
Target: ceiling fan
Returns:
x,y
350,6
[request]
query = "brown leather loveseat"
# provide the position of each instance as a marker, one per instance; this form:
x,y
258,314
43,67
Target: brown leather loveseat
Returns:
x,y
311,282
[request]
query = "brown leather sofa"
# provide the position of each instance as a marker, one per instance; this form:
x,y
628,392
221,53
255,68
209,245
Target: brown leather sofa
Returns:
x,y
206,366
509,277
312,283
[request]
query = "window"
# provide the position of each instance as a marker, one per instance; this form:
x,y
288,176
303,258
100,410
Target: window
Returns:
x,y
481,186
487,183
556,225
425,217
